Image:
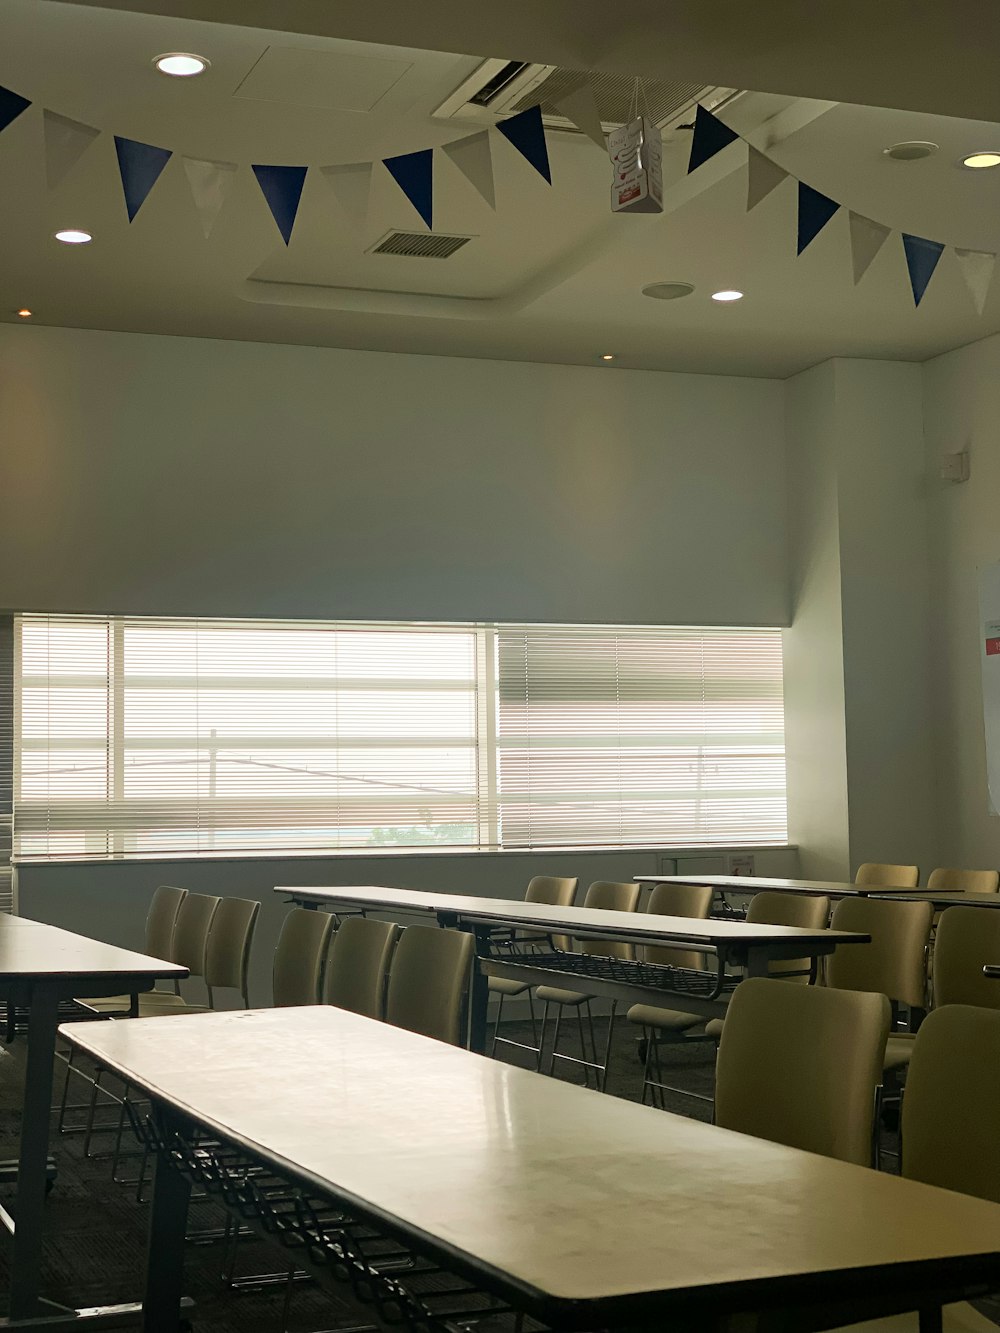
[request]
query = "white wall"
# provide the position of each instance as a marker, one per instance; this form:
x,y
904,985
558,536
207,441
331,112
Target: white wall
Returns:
x,y
857,681
962,406
815,740
185,476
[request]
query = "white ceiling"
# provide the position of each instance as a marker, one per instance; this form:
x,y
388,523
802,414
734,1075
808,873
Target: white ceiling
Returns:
x,y
550,276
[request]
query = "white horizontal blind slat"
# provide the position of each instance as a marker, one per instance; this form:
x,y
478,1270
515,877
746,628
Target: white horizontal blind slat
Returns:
x,y
640,737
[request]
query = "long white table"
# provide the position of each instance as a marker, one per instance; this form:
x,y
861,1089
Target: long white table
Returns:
x,y
40,966
814,888
580,1210
736,946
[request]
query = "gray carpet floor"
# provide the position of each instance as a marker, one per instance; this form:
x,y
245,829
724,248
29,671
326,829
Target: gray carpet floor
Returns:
x,y
96,1228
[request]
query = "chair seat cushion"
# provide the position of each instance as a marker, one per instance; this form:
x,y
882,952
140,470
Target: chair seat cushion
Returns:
x,y
507,986
107,1004
671,1020
713,1028
897,1052
553,995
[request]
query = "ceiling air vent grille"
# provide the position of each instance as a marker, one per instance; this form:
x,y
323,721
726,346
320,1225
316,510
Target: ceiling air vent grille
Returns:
x,y
614,94
419,245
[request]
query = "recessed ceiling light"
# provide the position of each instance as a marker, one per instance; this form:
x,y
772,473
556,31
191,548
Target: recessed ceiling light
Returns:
x,y
668,291
24,313
608,356
181,64
727,295
978,161
912,150
72,236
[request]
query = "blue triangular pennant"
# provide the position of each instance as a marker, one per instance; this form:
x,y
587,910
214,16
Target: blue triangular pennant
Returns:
x,y
11,106
140,165
282,188
710,137
414,174
921,260
527,133
815,211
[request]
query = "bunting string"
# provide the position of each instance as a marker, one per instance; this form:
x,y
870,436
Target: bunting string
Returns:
x,y
141,165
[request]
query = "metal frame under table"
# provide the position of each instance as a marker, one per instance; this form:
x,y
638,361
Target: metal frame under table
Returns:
x,y
735,946
41,966
812,888
379,1156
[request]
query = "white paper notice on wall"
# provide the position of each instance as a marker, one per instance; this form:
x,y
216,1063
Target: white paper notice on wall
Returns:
x,y
989,648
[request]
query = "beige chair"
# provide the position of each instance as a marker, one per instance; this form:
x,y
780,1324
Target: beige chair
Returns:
x,y
429,983
876,874
357,965
669,1026
606,895
964,881
227,960
300,956
772,908
967,939
949,1125
555,892
161,920
799,1065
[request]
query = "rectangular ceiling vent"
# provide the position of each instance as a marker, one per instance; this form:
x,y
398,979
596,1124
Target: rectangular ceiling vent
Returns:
x,y
504,87
419,245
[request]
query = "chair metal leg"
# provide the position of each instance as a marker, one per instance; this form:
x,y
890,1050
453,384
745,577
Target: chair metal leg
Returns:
x,y
541,1038
555,1041
603,1077
496,1025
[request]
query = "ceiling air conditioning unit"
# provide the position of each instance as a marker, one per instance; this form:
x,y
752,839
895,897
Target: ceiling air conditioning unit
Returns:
x,y
501,88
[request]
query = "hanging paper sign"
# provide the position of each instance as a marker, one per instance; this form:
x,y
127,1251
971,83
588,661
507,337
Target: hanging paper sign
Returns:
x,y
636,152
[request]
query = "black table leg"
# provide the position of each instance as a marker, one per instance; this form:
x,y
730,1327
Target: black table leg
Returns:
x,y
165,1258
480,992
34,1152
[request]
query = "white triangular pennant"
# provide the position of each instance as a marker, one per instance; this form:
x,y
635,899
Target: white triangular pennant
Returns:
x,y
867,239
66,141
210,182
977,269
763,176
352,184
580,106
474,159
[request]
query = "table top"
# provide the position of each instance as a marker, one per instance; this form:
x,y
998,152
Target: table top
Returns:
x,y
942,897
755,883
559,1194
631,927
33,950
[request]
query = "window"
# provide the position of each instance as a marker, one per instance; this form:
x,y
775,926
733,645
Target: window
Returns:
x,y
145,737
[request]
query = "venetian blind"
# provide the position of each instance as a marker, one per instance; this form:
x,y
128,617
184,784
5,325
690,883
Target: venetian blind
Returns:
x,y
640,737
148,737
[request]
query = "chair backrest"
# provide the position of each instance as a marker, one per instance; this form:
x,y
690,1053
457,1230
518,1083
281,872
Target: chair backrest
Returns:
x,y
799,1065
878,874
299,956
227,959
194,922
966,881
610,896
949,1109
552,890
770,908
967,938
694,900
357,966
161,920
429,982
894,961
